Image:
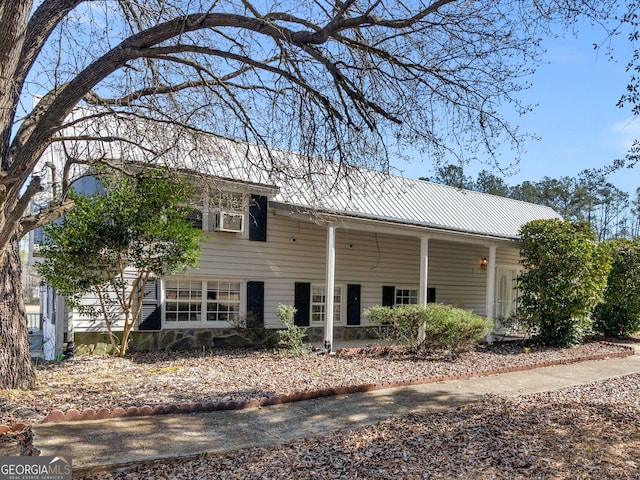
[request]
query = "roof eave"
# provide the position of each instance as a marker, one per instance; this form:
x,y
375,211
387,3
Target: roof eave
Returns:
x,y
408,228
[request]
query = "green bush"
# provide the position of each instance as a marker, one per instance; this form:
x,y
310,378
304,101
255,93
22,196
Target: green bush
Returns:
x,y
291,338
619,314
453,329
431,327
565,273
404,321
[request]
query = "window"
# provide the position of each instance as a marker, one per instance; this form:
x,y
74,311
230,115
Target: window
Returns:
x,y
227,201
406,296
223,301
183,301
211,202
197,301
318,302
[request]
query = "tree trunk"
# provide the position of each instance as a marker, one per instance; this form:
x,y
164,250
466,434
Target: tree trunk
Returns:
x,y
16,370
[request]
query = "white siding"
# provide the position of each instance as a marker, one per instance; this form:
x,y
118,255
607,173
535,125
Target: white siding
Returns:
x,y
455,272
86,323
508,257
295,252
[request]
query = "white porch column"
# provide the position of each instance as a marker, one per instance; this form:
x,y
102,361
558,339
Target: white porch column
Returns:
x,y
424,274
491,283
329,287
424,270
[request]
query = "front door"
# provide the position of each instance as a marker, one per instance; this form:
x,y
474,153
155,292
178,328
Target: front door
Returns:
x,y
506,294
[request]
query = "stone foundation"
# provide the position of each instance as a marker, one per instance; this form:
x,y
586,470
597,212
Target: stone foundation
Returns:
x,y
346,334
206,338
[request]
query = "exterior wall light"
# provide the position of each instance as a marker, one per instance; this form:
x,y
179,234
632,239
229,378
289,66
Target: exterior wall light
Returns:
x,y
483,263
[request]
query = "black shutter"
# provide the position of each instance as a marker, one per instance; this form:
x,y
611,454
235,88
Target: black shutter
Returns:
x,y
302,302
431,295
258,218
353,304
255,304
150,318
388,296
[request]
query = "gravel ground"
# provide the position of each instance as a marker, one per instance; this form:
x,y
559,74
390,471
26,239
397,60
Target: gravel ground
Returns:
x,y
174,378
586,432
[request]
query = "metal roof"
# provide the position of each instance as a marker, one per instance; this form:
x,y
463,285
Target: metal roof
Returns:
x,y
415,202
328,187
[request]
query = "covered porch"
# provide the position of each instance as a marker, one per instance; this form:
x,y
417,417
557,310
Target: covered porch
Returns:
x,y
470,271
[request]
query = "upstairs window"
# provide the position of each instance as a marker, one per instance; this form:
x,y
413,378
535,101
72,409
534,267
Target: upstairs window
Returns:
x,y
217,209
226,201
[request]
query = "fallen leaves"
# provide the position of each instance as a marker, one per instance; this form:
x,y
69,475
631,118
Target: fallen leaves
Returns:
x,y
588,431
540,436
155,371
174,378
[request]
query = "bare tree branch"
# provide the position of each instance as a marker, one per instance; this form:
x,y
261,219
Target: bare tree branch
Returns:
x,y
324,78
43,21
12,220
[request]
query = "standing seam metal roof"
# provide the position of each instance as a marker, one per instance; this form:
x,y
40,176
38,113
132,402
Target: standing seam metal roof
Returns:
x,y
315,184
416,202
370,194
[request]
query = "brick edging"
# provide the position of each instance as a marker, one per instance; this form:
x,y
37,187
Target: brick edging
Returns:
x,y
73,414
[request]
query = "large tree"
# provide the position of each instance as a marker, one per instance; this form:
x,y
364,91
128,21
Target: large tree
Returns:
x,y
344,80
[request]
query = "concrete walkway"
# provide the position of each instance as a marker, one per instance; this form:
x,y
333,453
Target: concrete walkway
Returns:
x,y
99,444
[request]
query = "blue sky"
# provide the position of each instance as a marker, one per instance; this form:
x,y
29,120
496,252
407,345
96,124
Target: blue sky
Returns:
x,y
576,117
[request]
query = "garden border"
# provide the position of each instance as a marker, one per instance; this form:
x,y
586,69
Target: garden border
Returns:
x,y
74,415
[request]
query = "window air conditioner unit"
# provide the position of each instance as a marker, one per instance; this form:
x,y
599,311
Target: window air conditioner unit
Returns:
x,y
230,222
36,250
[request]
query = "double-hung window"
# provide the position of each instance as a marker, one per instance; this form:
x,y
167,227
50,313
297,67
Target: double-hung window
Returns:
x,y
223,301
404,295
212,203
201,302
183,301
227,201
318,304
